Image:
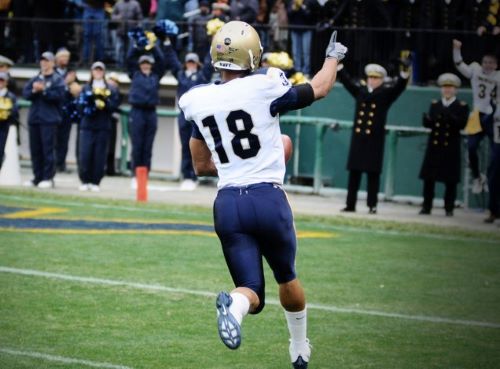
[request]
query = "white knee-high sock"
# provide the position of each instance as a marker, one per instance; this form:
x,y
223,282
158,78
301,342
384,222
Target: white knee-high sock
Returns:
x,y
240,306
297,326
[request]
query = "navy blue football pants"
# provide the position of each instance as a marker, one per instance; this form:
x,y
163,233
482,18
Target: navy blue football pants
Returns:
x,y
253,222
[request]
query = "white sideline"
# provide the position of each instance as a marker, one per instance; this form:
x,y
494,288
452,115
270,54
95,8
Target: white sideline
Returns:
x,y
155,287
61,359
341,228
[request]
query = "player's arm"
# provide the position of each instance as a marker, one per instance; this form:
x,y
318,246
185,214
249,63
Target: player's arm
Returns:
x,y
300,96
463,68
202,158
323,81
200,153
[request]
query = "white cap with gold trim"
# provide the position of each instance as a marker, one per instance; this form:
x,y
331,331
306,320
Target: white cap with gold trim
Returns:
x,y
449,79
375,70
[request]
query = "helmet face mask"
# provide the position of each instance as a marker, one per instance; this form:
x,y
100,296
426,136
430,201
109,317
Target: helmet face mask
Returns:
x,y
236,46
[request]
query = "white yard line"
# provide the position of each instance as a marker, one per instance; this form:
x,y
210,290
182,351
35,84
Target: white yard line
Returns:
x,y
330,308
61,359
339,228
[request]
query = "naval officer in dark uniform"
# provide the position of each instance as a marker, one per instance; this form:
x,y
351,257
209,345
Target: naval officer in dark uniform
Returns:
x,y
366,153
446,118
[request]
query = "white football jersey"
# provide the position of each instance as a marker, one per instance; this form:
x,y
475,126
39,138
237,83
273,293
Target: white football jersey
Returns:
x,y
484,88
235,120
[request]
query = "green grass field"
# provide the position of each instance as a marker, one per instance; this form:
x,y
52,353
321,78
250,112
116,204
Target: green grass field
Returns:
x,y
381,295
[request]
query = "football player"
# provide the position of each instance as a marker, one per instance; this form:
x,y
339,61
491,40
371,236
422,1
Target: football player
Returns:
x,y
236,135
484,79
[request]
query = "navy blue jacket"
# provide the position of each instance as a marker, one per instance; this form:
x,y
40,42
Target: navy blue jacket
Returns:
x,y
202,76
144,89
101,119
46,106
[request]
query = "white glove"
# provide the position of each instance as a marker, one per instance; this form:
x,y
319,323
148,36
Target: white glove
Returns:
x,y
335,49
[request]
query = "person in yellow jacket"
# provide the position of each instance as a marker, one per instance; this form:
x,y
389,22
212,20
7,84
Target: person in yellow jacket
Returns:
x,y
8,111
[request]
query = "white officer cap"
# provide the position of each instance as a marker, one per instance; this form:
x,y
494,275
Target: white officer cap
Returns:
x,y
146,59
449,79
98,64
6,61
192,57
375,70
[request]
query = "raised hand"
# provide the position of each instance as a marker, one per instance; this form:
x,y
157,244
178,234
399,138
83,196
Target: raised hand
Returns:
x,y
335,49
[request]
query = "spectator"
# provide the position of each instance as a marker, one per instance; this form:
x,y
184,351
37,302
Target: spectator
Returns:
x,y
477,12
113,81
8,111
198,29
449,16
188,75
244,10
366,153
5,65
490,22
5,8
278,27
22,31
145,8
93,30
98,101
46,93
301,16
446,118
170,9
145,71
49,35
262,20
484,80
220,10
126,14
64,129
494,171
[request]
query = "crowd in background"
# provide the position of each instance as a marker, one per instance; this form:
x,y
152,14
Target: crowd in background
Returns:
x,y
374,30
148,38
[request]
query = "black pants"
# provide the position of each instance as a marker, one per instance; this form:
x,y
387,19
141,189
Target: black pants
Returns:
x,y
353,187
43,151
62,141
450,195
185,131
494,180
110,160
